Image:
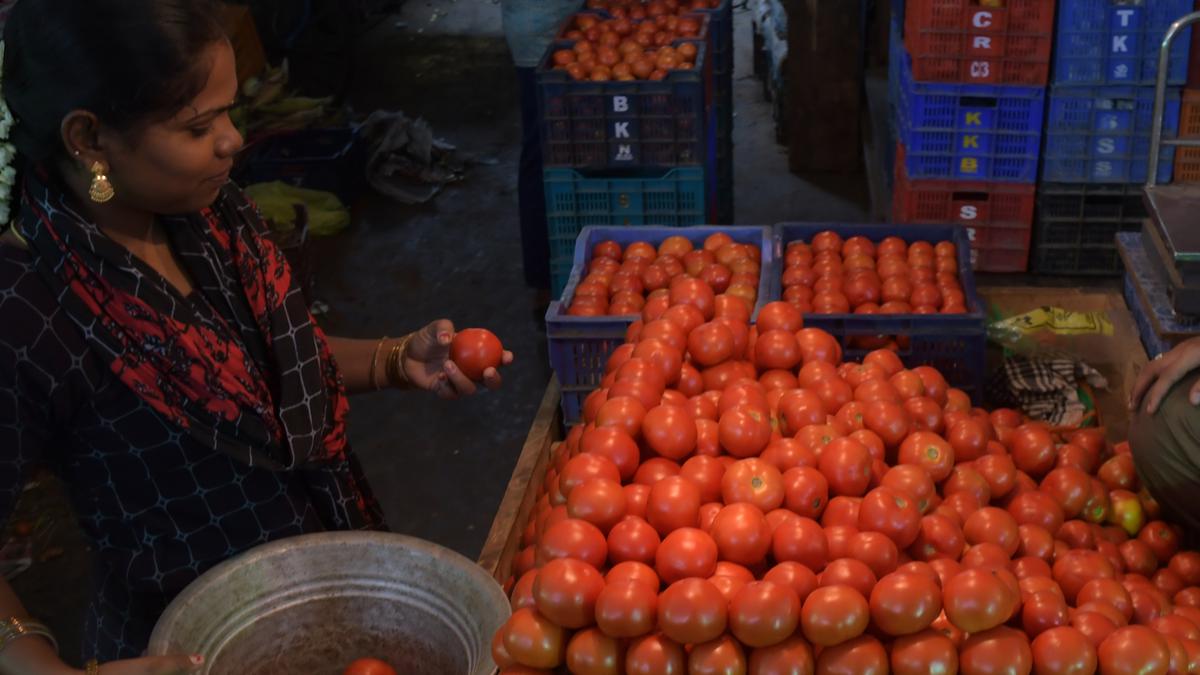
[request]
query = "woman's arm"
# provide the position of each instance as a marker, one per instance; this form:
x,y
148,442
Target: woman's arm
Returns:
x,y
425,363
1157,378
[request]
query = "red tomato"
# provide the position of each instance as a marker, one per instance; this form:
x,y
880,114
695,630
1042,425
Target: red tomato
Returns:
x,y
1000,472
913,480
923,653
599,501
1037,508
903,604
977,600
834,614
1162,539
1134,649
474,350
753,481
741,533
964,478
1070,487
817,345
591,652
669,431
585,467
655,655
999,650
801,540
929,451
848,572
369,667
995,526
717,657
891,513
710,344
1042,611
745,431
939,538
674,502
633,539
613,444
573,538
806,491
1078,567
1033,450
793,656
764,614
876,551
795,576
862,654
692,611
846,464
533,640
686,552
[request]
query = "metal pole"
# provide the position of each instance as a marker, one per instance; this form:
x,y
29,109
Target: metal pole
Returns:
x,y
1160,94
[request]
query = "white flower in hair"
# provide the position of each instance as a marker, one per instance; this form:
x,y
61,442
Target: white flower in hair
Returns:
x,y
8,153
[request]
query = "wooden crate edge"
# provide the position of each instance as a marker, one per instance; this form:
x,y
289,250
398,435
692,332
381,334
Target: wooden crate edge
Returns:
x,y
504,538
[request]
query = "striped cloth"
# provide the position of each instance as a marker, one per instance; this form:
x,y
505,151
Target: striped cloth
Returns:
x,y
1045,388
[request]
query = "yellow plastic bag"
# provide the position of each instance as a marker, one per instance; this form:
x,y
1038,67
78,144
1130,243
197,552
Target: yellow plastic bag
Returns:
x,y
326,213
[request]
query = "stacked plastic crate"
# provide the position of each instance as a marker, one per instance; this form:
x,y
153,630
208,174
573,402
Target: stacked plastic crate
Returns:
x,y
633,151
967,83
1099,115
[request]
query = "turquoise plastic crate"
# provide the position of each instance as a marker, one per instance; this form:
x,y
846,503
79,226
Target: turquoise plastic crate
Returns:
x,y
575,200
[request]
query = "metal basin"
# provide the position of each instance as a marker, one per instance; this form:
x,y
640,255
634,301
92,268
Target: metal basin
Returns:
x,y
314,603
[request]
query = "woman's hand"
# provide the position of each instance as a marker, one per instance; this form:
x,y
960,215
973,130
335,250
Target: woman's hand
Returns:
x,y
1157,378
428,366
154,665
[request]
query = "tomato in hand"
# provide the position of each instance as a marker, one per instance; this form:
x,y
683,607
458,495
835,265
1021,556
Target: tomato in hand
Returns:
x,y
369,667
474,350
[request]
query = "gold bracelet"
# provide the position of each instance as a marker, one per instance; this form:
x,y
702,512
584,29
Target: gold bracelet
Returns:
x,y
15,629
92,667
396,376
374,361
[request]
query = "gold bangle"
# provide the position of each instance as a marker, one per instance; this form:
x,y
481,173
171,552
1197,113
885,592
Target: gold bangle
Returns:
x,y
396,376
15,629
374,361
92,667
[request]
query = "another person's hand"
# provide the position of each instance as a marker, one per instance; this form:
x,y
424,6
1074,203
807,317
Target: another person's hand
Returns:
x,y
1157,378
154,665
428,365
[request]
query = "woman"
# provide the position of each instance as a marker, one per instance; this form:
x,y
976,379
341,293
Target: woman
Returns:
x,y
153,348
1165,434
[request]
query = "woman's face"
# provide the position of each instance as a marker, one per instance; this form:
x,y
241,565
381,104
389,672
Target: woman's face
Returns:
x,y
179,165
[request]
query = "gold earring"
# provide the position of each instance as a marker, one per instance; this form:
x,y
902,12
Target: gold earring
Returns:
x,y
101,190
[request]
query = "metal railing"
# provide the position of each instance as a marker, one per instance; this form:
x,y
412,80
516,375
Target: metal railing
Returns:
x,y
1160,101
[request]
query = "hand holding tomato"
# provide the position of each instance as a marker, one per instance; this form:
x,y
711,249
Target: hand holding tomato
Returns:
x,y
428,364
1161,374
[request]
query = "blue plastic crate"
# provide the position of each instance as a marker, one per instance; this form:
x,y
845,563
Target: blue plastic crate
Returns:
x,y
575,200
580,346
1153,344
1107,42
1102,134
955,344
640,123
966,131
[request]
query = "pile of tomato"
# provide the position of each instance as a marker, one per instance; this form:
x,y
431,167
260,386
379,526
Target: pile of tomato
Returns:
x,y
830,275
624,48
739,500
641,278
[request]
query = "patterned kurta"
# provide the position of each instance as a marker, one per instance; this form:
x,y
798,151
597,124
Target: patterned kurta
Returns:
x,y
160,506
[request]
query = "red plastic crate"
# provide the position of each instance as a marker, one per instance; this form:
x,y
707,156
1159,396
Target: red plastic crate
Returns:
x,y
964,41
998,216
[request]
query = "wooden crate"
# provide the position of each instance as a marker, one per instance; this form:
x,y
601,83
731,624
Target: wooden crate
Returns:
x,y
504,539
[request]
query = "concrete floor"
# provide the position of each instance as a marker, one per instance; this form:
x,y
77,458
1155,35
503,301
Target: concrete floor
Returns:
x,y
440,468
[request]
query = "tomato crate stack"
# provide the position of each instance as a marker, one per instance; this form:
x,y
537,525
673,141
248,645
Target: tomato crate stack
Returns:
x,y
1100,112
954,343
579,346
968,84
637,143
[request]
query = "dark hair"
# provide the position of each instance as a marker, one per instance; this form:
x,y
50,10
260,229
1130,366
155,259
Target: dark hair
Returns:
x,y
129,62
